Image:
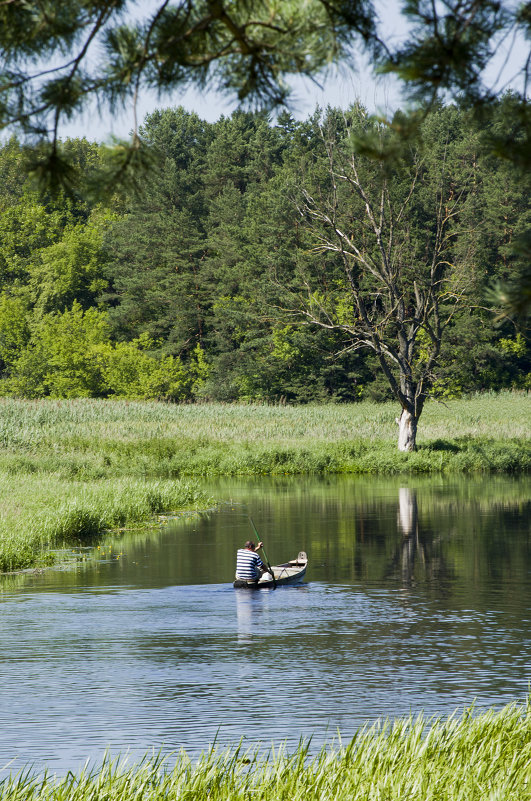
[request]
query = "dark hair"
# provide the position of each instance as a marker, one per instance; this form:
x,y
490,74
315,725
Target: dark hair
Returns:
x,y
250,544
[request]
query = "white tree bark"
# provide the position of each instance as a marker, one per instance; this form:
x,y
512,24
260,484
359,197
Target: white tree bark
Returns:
x,y
407,431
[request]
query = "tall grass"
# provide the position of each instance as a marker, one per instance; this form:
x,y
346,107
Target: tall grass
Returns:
x,y
40,513
24,423
70,470
472,758
91,439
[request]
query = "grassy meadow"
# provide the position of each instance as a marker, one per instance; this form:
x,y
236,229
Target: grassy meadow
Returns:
x,y
41,514
484,757
92,439
72,470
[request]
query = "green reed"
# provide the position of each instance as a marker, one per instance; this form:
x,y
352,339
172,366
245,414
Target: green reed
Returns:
x,y
91,439
28,423
70,470
40,513
485,757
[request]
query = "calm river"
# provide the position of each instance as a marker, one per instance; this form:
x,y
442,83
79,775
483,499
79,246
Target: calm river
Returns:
x,y
417,597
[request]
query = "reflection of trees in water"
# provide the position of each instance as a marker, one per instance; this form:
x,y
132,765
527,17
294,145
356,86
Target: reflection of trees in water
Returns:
x,y
417,548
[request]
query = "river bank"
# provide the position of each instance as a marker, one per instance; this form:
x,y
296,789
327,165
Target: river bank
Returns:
x,y
72,470
472,756
42,515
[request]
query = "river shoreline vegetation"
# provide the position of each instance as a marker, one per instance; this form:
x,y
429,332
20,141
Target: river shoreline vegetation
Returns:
x,y
475,756
74,470
43,515
212,324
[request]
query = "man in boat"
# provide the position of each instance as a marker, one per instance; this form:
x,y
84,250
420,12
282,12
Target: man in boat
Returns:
x,y
249,566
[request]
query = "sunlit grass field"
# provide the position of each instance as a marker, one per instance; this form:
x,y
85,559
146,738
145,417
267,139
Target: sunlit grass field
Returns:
x,y
70,470
91,439
27,423
472,758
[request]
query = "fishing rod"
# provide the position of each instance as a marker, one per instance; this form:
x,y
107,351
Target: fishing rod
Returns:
x,y
268,563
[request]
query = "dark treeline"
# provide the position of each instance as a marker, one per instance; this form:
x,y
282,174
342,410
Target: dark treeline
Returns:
x,y
223,278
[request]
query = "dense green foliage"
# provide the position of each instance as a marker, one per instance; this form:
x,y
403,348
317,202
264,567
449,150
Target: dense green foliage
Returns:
x,y
476,756
197,289
113,49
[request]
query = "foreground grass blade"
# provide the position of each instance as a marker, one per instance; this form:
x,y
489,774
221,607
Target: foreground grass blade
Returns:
x,y
484,757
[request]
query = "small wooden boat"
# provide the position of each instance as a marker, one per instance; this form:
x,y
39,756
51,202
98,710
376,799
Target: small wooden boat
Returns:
x,y
288,573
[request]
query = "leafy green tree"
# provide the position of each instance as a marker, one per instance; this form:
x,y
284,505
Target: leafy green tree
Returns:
x,y
31,222
12,176
60,359
69,355
14,327
130,372
179,250
157,247
506,239
25,229
71,269
245,48
256,243
216,254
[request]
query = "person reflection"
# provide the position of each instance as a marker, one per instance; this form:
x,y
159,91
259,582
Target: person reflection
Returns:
x,y
246,615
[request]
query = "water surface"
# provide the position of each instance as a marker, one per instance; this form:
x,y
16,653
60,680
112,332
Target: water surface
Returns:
x,y
417,597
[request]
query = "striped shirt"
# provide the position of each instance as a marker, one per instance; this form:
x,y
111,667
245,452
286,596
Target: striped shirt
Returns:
x,y
248,565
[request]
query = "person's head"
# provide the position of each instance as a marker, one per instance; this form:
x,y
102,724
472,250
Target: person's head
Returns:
x,y
249,545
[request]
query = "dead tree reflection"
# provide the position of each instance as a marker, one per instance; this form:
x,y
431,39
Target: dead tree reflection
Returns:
x,y
418,553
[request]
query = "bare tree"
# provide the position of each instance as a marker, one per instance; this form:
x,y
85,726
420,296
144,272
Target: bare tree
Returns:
x,y
393,268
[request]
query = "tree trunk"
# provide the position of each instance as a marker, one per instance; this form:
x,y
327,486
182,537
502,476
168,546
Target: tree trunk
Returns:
x,y
407,431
